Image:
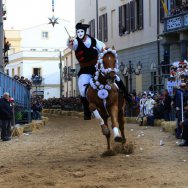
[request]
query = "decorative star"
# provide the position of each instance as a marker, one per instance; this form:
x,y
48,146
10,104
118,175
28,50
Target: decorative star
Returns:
x,y
53,21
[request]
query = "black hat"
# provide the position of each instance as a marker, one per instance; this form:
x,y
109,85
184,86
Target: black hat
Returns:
x,y
82,26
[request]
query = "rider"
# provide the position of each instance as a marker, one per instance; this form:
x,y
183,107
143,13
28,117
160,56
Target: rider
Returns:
x,y
86,50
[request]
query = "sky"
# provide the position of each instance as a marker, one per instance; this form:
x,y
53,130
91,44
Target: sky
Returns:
x,y
23,14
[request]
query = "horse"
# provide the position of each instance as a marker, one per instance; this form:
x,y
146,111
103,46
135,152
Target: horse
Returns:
x,y
105,98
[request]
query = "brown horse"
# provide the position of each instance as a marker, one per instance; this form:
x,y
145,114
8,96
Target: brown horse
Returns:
x,y
105,99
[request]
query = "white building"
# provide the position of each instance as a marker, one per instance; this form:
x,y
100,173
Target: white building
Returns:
x,y
39,55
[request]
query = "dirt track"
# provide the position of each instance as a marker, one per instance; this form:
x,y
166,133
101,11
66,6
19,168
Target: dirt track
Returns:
x,y
66,153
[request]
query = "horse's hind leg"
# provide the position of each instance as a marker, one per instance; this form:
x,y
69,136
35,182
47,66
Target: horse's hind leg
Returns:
x,y
121,125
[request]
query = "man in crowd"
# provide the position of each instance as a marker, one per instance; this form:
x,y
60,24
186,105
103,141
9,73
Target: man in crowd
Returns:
x,y
142,108
184,127
166,105
182,92
37,108
149,110
6,115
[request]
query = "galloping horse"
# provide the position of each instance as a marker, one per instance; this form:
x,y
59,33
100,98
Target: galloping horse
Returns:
x,y
105,98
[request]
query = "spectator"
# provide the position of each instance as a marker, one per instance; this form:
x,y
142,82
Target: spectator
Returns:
x,y
178,106
6,116
142,108
166,105
27,83
149,104
37,109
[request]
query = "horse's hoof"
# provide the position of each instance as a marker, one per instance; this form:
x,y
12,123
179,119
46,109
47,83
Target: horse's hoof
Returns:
x,y
118,139
105,130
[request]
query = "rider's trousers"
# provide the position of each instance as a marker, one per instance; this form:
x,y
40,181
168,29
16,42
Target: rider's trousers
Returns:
x,y
83,80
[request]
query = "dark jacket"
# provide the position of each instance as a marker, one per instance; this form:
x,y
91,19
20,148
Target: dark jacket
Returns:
x,y
167,102
37,107
5,110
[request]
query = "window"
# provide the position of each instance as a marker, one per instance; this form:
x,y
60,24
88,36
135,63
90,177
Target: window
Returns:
x,y
12,72
44,50
131,17
18,71
45,35
33,49
37,71
103,28
7,72
92,28
124,19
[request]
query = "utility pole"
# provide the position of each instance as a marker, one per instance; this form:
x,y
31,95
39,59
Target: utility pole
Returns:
x,y
158,45
1,37
61,76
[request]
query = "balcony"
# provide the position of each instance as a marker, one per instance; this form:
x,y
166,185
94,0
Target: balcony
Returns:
x,y
176,23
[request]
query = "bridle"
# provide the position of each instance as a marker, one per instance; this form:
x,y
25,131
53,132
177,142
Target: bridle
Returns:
x,y
94,82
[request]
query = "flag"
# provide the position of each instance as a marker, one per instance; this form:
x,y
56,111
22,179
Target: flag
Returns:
x,y
164,6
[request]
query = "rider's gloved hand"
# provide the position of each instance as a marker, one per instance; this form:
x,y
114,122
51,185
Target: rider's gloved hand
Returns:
x,y
70,42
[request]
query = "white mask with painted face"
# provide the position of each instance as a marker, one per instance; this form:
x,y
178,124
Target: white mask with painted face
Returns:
x,y
80,33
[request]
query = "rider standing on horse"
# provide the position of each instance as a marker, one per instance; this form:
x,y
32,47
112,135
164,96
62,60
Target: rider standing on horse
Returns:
x,y
86,50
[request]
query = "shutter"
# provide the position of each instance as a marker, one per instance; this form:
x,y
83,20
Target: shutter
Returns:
x,y
120,21
100,28
132,9
105,28
141,16
127,25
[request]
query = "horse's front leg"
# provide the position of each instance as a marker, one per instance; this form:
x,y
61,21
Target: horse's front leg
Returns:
x,y
102,122
114,119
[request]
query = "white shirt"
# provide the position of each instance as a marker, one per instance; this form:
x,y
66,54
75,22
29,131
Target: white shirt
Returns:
x,y
149,106
99,45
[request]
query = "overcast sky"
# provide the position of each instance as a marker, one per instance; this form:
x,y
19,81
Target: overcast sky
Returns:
x,y
26,13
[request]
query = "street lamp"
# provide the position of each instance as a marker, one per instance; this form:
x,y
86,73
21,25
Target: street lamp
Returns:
x,y
129,70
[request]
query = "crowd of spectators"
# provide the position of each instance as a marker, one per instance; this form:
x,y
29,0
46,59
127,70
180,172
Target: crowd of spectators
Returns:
x,y
25,81
152,105
180,9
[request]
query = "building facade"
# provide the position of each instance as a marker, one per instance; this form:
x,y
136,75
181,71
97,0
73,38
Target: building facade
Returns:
x,y
39,55
69,74
175,35
133,27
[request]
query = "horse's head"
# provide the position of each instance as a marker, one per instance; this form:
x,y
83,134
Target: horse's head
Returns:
x,y
109,64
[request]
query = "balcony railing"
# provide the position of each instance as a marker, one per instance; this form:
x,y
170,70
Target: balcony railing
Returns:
x,y
176,23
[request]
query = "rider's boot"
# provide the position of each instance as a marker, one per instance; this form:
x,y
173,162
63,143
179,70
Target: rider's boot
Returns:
x,y
122,87
87,113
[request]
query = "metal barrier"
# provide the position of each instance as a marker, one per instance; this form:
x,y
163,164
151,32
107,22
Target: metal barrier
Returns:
x,y
21,95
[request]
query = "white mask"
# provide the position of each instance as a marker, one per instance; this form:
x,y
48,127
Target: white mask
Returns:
x,y
80,33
